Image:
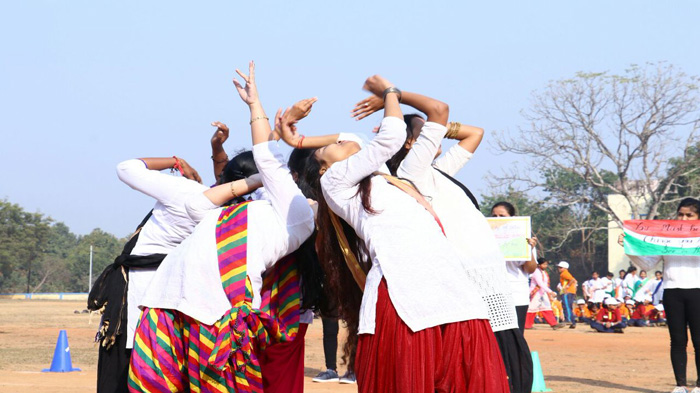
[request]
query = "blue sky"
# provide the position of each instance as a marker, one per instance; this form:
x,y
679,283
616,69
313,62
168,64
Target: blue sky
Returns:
x,y
85,84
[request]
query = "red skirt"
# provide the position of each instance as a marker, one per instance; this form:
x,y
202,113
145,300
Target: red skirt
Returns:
x,y
456,357
282,365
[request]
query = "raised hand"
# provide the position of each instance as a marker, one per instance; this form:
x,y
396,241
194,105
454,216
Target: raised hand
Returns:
x,y
367,106
249,92
301,109
376,84
220,135
188,172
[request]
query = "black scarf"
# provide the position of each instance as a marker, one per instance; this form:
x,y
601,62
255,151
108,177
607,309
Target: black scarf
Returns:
x,y
111,287
463,187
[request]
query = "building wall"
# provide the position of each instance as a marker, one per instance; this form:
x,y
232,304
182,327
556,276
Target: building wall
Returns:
x,y
616,254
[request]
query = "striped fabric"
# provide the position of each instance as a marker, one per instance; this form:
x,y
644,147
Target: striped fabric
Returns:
x,y
662,237
175,353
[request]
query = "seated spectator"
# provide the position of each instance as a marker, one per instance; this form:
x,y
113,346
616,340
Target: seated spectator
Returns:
x,y
593,308
657,315
608,319
626,309
640,316
581,311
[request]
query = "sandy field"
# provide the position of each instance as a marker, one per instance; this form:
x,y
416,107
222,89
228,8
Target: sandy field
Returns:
x,y
573,360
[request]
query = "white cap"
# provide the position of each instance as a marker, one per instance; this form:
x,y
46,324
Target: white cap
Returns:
x,y
563,264
580,301
610,301
630,302
660,307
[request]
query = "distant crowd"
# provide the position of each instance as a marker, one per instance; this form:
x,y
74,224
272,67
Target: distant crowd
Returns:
x,y
609,304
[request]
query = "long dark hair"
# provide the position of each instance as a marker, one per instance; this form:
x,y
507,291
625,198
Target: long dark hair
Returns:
x,y
395,161
242,165
341,286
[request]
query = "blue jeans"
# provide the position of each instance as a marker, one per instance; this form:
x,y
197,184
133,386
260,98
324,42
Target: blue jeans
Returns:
x,y
567,302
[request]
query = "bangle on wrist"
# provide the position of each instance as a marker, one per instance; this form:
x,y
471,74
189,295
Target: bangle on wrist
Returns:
x,y
177,166
392,90
301,140
253,120
453,130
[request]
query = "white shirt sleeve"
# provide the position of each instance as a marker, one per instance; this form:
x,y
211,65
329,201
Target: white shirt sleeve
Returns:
x,y
349,172
198,206
416,165
159,186
283,192
452,161
645,262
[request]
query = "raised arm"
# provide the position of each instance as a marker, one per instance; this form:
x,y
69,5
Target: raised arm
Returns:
x,y
435,110
469,136
218,154
144,175
348,172
259,122
286,126
285,196
225,192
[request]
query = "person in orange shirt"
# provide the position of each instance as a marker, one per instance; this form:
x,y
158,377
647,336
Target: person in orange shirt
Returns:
x,y
626,310
581,311
557,310
568,292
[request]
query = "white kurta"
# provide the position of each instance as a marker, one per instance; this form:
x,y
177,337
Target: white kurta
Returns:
x,y
188,280
519,281
165,229
680,271
428,285
465,227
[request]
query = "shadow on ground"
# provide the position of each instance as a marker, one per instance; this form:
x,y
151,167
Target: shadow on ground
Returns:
x,y
597,383
311,372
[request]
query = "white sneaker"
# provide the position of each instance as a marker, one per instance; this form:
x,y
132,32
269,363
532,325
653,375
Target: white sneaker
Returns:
x,y
679,389
695,390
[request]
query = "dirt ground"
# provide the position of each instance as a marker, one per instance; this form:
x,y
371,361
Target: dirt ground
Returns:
x,y
573,361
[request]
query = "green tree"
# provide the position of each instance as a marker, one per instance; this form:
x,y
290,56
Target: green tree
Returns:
x,y
106,247
614,132
24,237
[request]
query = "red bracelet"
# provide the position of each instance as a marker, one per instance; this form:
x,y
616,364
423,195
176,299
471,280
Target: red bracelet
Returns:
x,y
300,141
177,165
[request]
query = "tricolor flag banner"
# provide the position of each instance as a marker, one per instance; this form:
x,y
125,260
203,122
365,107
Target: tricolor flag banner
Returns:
x,y
662,237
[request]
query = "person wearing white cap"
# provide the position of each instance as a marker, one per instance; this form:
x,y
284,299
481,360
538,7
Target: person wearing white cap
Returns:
x,y
568,292
657,315
640,316
608,319
582,313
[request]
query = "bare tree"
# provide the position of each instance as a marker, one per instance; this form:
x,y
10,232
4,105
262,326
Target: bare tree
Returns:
x,y
616,133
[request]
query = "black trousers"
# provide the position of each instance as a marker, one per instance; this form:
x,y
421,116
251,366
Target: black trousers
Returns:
x,y
330,341
113,367
516,359
521,312
682,311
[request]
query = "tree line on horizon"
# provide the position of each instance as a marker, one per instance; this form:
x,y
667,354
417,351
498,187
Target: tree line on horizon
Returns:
x,y
38,254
